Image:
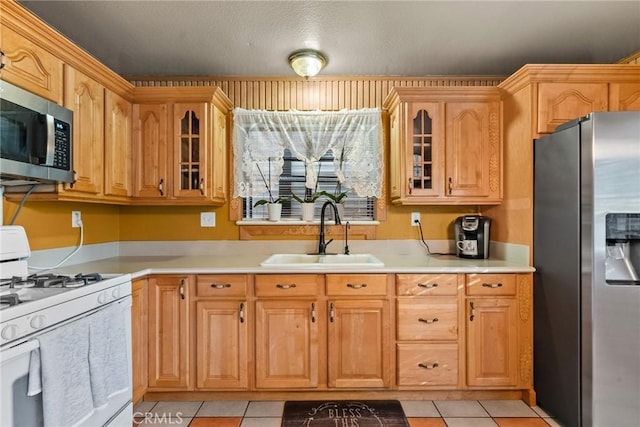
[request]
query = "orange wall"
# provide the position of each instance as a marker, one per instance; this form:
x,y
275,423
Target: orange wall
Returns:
x,y
48,224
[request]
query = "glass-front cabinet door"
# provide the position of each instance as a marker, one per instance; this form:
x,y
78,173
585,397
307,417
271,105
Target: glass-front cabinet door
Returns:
x,y
425,146
191,151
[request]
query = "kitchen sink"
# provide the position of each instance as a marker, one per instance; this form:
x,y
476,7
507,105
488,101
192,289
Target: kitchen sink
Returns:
x,y
322,261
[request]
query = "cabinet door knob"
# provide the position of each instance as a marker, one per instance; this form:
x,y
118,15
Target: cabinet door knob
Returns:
x,y
434,320
492,285
427,366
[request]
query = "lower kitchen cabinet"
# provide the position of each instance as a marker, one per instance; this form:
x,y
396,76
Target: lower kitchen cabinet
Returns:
x,y
427,331
359,331
169,332
139,338
287,331
499,331
222,332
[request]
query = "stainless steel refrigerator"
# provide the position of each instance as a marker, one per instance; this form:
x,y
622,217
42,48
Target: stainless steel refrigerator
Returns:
x,y
586,253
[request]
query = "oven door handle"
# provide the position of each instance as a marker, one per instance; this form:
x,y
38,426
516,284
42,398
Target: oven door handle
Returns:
x,y
17,351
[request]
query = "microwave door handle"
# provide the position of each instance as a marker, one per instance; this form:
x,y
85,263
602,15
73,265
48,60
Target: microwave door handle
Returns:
x,y
51,140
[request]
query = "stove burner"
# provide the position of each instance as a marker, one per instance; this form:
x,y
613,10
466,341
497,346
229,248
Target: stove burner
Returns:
x,y
9,300
52,281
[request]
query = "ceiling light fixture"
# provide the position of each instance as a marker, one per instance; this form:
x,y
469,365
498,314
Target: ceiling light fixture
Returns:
x,y
307,62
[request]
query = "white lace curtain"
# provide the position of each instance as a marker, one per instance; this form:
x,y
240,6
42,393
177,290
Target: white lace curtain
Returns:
x,y
353,136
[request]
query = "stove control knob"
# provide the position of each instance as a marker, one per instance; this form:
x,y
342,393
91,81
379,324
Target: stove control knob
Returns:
x,y
115,293
9,332
102,297
37,321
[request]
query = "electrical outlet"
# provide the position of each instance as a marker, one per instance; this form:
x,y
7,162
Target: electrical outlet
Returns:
x,y
207,219
76,219
415,218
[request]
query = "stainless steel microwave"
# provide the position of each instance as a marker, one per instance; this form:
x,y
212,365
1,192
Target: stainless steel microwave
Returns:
x,y
36,138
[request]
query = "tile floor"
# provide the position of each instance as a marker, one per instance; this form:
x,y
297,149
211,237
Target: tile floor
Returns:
x,y
420,413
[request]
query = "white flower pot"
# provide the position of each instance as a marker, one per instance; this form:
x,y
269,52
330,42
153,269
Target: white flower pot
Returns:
x,y
308,210
275,211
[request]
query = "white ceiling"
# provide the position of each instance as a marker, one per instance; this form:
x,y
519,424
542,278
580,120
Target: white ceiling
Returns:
x,y
408,38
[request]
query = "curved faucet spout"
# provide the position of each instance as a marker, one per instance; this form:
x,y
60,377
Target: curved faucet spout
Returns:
x,y
322,246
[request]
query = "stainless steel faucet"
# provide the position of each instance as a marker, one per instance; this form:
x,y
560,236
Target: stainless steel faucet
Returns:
x,y
322,246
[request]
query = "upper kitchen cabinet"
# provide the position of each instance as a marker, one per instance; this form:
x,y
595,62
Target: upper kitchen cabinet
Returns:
x,y
180,145
117,146
30,67
445,145
556,94
85,97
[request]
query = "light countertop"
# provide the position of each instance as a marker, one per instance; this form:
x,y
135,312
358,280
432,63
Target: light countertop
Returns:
x,y
231,257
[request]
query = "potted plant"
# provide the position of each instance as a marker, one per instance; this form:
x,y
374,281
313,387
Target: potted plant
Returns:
x,y
274,205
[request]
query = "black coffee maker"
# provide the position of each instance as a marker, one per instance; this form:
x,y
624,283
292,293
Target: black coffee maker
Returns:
x,y
472,236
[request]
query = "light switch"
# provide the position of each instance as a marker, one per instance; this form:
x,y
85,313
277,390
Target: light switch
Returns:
x,y
207,219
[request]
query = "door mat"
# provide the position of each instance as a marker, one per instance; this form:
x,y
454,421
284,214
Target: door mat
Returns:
x,y
344,413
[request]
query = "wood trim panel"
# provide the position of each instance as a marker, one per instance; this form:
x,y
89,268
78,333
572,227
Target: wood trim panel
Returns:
x,y
316,93
248,232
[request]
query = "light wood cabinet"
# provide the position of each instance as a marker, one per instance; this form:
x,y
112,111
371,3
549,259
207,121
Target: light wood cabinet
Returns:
x,y
139,338
499,331
427,331
559,103
222,332
359,331
624,96
445,145
180,138
85,97
30,66
169,331
288,351
117,146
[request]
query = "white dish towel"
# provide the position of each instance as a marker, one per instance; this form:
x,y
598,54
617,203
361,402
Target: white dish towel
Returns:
x,y
60,369
108,361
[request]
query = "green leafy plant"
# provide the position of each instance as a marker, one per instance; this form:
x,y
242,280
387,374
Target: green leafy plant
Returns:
x,y
261,202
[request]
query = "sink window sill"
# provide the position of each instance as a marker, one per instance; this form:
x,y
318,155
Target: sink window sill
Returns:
x,y
287,229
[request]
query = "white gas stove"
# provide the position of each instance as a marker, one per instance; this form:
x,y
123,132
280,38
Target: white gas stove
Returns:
x,y
29,303
58,317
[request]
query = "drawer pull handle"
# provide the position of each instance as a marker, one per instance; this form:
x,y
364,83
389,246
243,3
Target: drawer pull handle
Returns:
x,y
220,285
428,285
281,286
161,187
472,315
241,312
356,285
313,312
181,290
331,312
434,320
492,285
425,366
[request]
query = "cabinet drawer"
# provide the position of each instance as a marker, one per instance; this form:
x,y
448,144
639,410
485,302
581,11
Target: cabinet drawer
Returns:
x,y
427,364
356,284
288,285
426,284
222,285
428,319
491,284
